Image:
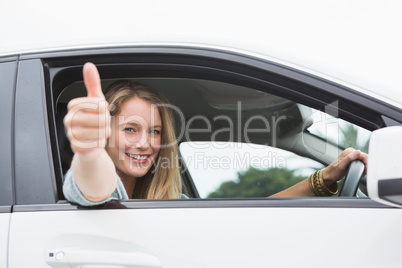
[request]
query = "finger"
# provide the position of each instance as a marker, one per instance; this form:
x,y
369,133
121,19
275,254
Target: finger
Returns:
x,y
345,158
82,116
79,144
87,105
353,155
86,135
364,158
86,139
88,120
347,152
92,81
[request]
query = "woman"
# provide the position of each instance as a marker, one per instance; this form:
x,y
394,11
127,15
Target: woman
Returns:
x,y
128,142
116,154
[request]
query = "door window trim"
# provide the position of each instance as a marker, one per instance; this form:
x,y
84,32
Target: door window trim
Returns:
x,y
8,76
299,203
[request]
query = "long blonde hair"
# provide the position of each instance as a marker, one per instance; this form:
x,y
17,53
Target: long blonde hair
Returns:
x,y
162,181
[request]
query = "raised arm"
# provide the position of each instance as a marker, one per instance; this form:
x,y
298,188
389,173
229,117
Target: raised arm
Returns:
x,y
88,128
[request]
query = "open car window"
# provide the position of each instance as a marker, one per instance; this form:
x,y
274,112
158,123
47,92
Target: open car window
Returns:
x,y
232,170
338,131
236,141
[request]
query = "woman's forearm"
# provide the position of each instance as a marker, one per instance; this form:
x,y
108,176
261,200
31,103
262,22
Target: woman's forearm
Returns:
x,y
301,189
94,176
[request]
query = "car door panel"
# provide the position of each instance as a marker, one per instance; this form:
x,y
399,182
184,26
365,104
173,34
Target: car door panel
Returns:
x,y
4,228
212,237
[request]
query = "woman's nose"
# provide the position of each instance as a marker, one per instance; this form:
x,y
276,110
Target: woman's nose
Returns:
x,y
143,141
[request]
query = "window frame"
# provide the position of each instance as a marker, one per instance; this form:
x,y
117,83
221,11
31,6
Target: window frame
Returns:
x,y
202,63
8,75
34,169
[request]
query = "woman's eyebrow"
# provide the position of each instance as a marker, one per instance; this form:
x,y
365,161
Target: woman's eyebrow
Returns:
x,y
156,126
130,124
135,124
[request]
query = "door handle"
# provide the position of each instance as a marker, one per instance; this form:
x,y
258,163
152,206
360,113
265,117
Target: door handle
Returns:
x,y
81,258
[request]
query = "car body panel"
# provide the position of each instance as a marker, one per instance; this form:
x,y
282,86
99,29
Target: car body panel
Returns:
x,y
4,235
216,237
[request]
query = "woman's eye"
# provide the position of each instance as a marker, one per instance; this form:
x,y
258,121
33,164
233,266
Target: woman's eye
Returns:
x,y
155,131
129,129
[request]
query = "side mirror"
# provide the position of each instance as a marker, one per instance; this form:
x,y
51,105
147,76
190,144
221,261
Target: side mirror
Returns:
x,y
384,171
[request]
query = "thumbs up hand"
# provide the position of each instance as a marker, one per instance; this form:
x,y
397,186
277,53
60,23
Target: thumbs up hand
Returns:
x,y
92,81
88,120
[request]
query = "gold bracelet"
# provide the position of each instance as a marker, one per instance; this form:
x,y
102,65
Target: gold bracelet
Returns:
x,y
318,186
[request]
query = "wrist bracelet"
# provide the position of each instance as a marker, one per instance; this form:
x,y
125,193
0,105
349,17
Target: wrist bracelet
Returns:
x,y
318,186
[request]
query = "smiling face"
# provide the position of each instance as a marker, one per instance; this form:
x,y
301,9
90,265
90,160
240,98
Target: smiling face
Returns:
x,y
135,139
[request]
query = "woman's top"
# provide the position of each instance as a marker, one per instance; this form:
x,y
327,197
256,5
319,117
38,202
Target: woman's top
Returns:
x,y
74,195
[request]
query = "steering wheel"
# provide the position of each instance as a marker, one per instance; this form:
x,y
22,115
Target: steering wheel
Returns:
x,y
352,179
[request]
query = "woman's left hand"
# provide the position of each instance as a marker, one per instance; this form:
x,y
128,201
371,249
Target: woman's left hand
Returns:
x,y
337,169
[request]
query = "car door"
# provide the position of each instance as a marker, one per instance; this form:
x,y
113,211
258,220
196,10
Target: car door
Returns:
x,y
47,231
8,67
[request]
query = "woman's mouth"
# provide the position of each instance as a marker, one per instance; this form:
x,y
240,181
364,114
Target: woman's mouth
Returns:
x,y
138,158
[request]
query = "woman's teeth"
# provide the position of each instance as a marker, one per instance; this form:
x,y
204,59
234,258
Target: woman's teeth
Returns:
x,y
138,157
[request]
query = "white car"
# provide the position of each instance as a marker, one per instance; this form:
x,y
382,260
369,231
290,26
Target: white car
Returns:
x,y
258,88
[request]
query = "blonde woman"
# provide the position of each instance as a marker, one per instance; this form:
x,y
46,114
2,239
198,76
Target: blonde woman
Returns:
x,y
118,141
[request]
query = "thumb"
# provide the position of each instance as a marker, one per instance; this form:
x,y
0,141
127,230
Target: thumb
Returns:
x,y
92,81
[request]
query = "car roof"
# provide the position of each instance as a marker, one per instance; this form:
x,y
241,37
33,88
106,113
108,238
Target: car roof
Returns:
x,y
351,42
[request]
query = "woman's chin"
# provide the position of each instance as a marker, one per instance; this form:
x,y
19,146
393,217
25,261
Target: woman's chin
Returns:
x,y
139,171
130,168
